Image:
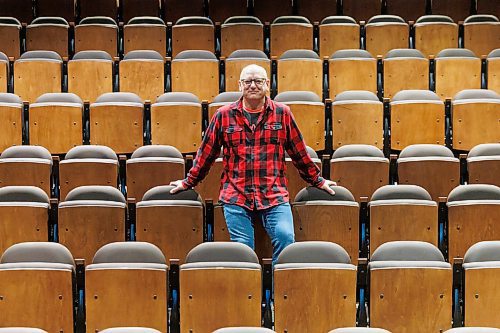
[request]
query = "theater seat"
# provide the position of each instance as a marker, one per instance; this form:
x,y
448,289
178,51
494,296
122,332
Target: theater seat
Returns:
x,y
193,33
151,166
220,286
48,33
434,33
300,69
176,119
493,70
290,32
483,164
410,288
37,72
417,117
434,167
240,33
295,182
357,118
158,216
56,122
475,114
87,165
26,165
126,285
401,213
473,212
37,286
481,33
338,33
321,216
481,297
385,33
90,217
303,268
97,33
404,69
145,33
24,212
11,123
359,168
10,32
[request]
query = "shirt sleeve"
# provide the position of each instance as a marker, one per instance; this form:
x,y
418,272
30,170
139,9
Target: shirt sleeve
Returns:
x,y
207,153
296,149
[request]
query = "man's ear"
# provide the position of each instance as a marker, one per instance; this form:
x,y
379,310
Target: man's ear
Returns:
x,y
240,87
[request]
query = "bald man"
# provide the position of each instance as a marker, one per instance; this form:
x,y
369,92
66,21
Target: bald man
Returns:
x,y
255,132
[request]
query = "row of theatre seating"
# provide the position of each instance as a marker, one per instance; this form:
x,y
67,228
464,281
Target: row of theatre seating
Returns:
x,y
121,121
364,212
407,286
219,10
146,73
382,33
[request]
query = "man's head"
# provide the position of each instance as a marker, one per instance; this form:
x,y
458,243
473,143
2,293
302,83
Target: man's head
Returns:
x,y
253,83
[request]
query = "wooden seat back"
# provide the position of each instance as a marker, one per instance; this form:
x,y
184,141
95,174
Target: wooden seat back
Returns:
x,y
36,77
89,78
334,37
97,36
362,10
300,74
10,125
241,36
145,78
198,77
295,182
267,11
192,37
431,38
493,75
456,74
47,37
107,8
408,10
310,118
381,38
26,172
288,36
145,37
481,296
10,40
483,165
405,73
133,8
219,10
482,38
352,74
458,10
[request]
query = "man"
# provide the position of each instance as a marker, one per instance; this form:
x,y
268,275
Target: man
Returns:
x,y
255,133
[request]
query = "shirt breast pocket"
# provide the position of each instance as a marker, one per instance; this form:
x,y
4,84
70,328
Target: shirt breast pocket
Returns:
x,y
233,136
274,134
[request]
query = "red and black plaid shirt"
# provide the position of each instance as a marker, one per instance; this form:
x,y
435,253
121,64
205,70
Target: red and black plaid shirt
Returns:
x,y
254,159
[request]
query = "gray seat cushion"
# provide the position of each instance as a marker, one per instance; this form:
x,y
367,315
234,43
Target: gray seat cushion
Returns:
x,y
91,151
351,53
143,55
474,192
314,252
404,53
481,18
485,149
41,55
456,53
40,252
222,252
26,152
59,98
297,96
10,98
407,251
178,97
156,151
242,20
119,97
356,95
415,95
426,150
227,97
23,194
129,252
291,19
477,94
338,20
483,251
312,193
195,55
357,151
92,55
146,20
400,192
194,20
96,192
299,54
385,19
98,20
247,54
434,19
163,193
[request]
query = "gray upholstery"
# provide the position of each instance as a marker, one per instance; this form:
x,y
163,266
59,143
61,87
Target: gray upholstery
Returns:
x,y
351,53
92,55
227,97
50,20
400,192
483,251
119,97
10,21
473,330
404,53
426,150
485,149
4,57
359,330
494,54
312,193
297,96
21,330
96,192
456,53
46,252
477,94
291,19
194,20
26,152
474,192
314,252
338,20
143,55
23,194
59,98
129,252
178,97
162,192
145,20
407,251
243,330
299,54
481,18
45,55
434,19
415,95
247,54
157,151
222,252
385,19
129,330
10,98
98,20
357,151
242,20
195,55
91,151
356,95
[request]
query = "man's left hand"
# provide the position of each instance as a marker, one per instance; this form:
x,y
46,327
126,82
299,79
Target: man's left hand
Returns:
x,y
326,186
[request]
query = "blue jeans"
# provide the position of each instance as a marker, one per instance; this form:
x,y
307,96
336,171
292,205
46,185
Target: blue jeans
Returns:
x,y
277,221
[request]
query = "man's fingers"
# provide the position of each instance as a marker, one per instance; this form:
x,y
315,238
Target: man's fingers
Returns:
x,y
174,190
330,190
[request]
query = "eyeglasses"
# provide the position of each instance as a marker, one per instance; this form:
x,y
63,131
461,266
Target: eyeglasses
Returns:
x,y
258,82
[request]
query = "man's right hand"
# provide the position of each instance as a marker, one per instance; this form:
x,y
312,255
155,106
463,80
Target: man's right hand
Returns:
x,y
179,186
